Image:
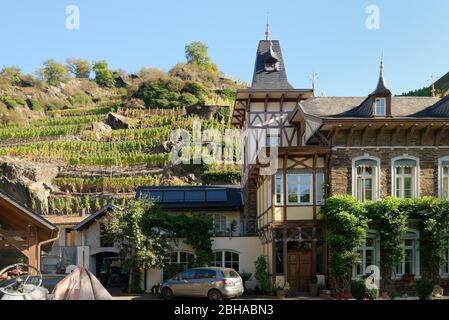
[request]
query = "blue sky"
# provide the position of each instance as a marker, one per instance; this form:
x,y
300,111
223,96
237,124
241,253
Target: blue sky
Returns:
x,y
325,36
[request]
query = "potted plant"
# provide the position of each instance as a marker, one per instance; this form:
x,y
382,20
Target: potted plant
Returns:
x,y
343,296
364,290
313,287
424,288
280,292
385,295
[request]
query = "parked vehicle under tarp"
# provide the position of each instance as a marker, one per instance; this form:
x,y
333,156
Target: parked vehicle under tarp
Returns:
x,y
80,284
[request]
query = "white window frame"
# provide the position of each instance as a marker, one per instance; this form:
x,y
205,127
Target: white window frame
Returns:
x,y
219,231
178,258
298,193
376,179
414,236
384,101
277,190
415,175
441,177
269,190
374,235
223,258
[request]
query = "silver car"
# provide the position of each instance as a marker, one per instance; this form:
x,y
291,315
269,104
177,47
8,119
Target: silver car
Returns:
x,y
211,282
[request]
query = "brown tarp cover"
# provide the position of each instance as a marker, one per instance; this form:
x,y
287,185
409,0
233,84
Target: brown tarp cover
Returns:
x,y
80,285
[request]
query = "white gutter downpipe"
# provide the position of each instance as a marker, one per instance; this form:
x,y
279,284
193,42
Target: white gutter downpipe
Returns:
x,y
39,248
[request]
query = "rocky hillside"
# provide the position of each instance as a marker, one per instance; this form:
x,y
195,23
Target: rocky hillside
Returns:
x,y
70,143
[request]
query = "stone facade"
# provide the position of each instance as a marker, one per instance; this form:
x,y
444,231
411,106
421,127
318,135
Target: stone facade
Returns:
x,y
341,168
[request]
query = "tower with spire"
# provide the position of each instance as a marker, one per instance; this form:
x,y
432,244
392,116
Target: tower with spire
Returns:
x,y
381,88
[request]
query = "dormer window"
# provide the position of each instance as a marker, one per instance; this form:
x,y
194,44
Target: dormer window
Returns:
x,y
380,107
271,65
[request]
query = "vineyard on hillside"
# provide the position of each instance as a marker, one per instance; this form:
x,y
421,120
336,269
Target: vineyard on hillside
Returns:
x,y
102,137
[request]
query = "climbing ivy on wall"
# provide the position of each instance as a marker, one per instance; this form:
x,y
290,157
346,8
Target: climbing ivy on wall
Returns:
x,y
347,221
391,221
346,229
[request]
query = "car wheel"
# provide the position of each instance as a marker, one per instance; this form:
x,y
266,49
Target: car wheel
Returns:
x,y
167,293
215,295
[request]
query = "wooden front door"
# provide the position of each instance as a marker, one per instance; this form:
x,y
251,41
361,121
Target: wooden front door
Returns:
x,y
299,270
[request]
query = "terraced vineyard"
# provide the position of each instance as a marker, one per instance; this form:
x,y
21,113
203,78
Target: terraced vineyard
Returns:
x,y
73,142
67,137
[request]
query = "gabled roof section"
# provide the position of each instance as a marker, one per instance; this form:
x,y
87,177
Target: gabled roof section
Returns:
x,y
95,216
366,108
439,110
269,52
193,197
348,107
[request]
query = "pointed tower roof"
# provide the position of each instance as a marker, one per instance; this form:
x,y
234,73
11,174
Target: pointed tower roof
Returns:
x,y
269,70
381,88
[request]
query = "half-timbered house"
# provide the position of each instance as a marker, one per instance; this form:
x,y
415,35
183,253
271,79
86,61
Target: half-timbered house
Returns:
x,y
369,147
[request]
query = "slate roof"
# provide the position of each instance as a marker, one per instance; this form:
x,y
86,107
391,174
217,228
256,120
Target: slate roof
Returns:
x,y
263,79
443,82
350,107
381,88
439,110
183,198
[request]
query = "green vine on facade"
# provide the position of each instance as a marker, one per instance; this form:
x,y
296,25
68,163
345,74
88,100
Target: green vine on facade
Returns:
x,y
347,222
391,222
346,229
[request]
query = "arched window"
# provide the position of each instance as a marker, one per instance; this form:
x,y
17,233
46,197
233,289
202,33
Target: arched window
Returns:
x,y
443,177
410,263
365,178
369,254
183,258
227,259
405,173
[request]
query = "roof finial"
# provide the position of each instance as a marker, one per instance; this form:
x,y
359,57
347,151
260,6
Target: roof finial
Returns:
x,y
268,31
313,77
433,90
382,65
381,86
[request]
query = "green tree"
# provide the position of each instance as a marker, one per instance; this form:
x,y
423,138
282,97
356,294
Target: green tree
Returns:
x,y
79,68
262,275
53,72
103,76
13,73
137,231
197,53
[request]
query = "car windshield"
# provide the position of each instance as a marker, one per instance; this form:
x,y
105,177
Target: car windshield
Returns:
x,y
229,273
